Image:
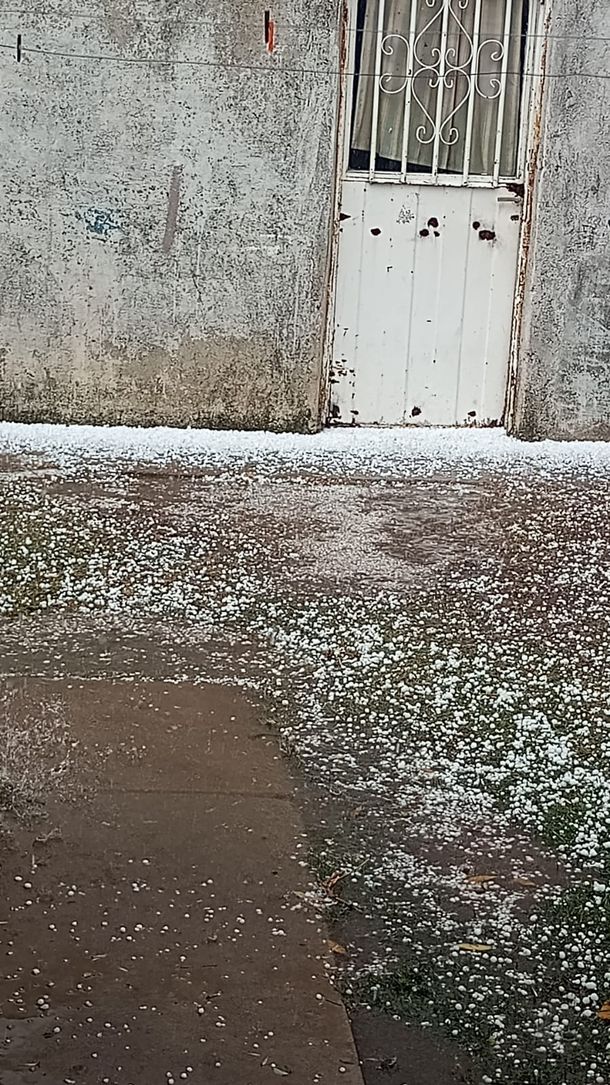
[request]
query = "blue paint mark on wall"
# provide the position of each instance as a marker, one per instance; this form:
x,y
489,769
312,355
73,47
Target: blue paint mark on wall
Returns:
x,y
101,224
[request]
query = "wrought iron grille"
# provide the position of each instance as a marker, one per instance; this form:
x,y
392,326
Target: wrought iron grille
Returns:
x,y
438,89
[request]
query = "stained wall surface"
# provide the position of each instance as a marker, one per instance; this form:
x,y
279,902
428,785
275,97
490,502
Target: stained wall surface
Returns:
x,y
164,227
563,374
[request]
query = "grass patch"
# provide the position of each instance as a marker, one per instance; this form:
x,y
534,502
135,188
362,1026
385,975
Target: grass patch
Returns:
x,y
522,1025
37,757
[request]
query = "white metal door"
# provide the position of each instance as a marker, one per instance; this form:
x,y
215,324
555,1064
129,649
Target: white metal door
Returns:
x,y
431,209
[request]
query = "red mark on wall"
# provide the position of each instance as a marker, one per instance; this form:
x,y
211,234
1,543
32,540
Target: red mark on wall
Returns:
x,y
269,32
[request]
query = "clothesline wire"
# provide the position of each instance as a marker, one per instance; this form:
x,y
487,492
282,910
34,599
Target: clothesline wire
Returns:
x,y
270,68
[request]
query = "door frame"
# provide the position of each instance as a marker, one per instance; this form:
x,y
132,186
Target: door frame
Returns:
x,y
530,138
533,144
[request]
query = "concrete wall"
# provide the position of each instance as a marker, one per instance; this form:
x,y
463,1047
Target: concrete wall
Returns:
x,y
164,229
563,379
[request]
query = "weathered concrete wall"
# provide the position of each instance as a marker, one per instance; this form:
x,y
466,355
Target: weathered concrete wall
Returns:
x,y
563,382
164,229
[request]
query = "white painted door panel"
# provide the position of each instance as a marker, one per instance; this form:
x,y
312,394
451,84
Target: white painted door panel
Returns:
x,y
424,301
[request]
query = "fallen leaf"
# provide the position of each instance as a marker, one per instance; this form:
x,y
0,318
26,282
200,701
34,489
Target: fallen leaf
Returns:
x,y
331,883
474,947
55,834
479,879
387,1065
604,1012
335,947
527,882
283,1071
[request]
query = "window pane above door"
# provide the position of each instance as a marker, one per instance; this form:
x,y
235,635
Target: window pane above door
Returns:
x,y
438,88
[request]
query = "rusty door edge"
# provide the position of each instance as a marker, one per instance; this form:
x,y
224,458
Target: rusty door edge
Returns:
x,y
328,304
535,143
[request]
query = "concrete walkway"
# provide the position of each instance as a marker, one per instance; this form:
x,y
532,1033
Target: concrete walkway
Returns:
x,y
153,929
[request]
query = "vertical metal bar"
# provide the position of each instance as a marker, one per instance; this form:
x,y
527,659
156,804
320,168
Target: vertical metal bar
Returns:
x,y
409,90
472,90
440,90
502,99
376,88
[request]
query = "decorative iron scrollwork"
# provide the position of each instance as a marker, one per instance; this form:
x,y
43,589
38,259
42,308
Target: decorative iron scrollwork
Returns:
x,y
454,64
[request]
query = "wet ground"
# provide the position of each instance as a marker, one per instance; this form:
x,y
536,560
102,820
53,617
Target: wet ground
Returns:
x,y
151,925
370,668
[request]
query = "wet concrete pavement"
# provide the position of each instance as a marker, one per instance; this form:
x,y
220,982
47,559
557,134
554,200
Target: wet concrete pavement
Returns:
x,y
152,926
